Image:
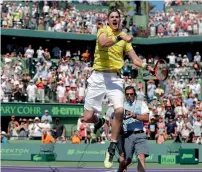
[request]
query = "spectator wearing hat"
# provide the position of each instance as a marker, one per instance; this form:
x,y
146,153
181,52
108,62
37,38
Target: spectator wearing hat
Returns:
x,y
31,92
37,132
4,138
152,128
58,128
46,116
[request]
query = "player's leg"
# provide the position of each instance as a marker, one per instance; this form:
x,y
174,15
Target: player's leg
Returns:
x,y
93,101
116,96
141,150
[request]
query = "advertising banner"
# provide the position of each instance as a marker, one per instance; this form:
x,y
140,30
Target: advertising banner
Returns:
x,y
37,109
85,152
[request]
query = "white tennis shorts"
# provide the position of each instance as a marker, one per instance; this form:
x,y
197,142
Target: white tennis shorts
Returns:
x,y
101,84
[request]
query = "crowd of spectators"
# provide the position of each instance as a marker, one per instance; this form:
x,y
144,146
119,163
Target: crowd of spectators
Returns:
x,y
64,83
172,103
175,23
57,18
175,105
50,17
181,2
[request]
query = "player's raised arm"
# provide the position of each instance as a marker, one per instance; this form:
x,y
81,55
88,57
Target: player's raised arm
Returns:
x,y
137,61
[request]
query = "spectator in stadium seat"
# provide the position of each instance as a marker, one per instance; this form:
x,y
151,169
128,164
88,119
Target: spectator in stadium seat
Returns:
x,y
31,92
161,131
56,52
134,29
159,92
82,129
17,93
151,89
22,129
199,140
4,138
61,90
37,132
58,128
47,138
40,53
30,128
186,128
197,58
171,128
46,126
72,94
46,116
76,138
40,90
11,125
29,57
197,124
152,129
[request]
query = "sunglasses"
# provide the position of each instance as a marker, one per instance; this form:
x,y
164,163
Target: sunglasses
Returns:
x,y
131,94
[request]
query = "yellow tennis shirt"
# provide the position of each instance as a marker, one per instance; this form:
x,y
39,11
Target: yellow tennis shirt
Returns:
x,y
110,58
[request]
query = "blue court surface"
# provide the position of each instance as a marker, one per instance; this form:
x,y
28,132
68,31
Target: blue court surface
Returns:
x,y
69,169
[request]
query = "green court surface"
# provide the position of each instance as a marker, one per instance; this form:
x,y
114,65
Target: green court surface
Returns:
x,y
89,164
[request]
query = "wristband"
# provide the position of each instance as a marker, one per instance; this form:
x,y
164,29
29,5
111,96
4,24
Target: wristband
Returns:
x,y
144,65
119,38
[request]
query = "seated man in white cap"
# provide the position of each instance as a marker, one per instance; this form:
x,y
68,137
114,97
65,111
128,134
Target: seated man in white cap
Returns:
x,y
46,116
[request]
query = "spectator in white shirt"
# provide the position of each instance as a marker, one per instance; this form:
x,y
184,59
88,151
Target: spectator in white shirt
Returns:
x,y
31,92
185,60
46,9
61,90
29,55
81,92
40,54
72,94
46,126
197,126
58,27
37,132
197,58
172,59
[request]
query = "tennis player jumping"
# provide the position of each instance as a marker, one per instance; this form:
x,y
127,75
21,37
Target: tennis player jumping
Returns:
x,y
111,46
